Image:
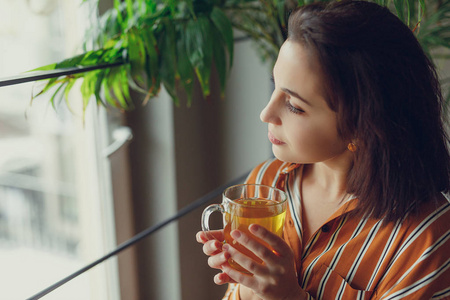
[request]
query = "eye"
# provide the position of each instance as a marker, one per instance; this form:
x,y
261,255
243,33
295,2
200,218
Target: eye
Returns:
x,y
293,109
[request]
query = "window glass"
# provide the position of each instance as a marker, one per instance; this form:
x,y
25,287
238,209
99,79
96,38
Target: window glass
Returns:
x,y
43,227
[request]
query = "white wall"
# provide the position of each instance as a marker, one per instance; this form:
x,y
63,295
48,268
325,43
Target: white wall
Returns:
x,y
248,91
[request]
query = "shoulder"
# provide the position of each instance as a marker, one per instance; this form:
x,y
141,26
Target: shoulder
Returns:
x,y
434,211
428,227
417,255
269,171
431,223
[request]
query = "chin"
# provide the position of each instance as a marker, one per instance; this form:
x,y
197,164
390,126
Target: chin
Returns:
x,y
290,158
283,156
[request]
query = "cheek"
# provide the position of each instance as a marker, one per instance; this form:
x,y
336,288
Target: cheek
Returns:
x,y
317,140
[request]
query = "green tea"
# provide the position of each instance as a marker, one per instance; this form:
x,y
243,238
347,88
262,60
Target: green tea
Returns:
x,y
267,213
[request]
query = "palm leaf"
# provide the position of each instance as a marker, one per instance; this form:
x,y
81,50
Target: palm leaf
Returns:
x,y
225,29
137,55
199,48
167,67
185,70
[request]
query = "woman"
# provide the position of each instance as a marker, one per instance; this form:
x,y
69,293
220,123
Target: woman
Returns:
x,y
355,124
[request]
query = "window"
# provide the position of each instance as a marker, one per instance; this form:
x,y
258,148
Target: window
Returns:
x,y
55,201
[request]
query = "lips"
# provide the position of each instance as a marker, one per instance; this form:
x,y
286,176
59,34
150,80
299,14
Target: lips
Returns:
x,y
274,140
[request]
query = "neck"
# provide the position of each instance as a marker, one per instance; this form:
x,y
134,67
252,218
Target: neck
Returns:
x,y
330,177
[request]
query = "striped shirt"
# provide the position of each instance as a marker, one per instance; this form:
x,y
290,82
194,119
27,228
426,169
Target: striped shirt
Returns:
x,y
362,258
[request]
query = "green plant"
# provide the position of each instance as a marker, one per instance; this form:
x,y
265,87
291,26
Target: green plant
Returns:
x,y
176,42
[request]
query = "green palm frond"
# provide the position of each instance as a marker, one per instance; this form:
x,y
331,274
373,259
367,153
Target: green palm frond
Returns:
x,y
162,42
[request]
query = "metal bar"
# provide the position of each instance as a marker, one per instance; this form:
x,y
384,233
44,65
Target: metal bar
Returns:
x,y
40,75
143,234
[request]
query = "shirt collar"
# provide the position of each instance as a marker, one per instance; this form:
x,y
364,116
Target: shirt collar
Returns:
x,y
290,167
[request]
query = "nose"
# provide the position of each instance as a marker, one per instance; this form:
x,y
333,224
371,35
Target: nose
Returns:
x,y
270,113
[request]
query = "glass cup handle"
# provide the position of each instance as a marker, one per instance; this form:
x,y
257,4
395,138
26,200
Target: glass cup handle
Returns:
x,y
205,217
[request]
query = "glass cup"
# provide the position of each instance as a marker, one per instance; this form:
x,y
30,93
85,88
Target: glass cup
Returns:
x,y
247,204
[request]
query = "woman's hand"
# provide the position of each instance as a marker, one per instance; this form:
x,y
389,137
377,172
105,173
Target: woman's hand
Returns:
x,y
217,258
276,277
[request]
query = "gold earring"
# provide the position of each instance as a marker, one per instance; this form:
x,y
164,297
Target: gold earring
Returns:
x,y
352,147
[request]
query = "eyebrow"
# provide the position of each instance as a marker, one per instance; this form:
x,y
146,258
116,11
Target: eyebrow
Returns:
x,y
294,94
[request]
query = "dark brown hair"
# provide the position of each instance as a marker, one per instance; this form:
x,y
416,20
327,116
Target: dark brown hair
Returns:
x,y
387,97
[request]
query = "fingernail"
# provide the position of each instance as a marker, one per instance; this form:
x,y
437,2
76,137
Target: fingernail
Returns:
x,y
225,247
202,238
217,245
253,228
217,279
236,234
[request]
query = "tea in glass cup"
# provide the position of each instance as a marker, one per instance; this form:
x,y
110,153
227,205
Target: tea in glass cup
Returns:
x,y
247,204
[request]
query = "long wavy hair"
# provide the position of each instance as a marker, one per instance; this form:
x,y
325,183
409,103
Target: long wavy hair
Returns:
x,y
387,97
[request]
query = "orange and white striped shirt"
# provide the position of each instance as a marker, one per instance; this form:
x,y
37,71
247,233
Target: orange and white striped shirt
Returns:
x,y
362,258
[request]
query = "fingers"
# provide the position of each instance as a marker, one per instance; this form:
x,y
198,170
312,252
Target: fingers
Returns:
x,y
223,278
273,278
246,262
211,241
255,246
236,276
270,255
212,247
218,260
278,245
202,237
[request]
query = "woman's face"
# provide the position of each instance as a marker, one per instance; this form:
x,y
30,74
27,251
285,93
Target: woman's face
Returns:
x,y
302,128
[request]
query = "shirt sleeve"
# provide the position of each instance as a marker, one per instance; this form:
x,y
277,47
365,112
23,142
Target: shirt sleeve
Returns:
x,y
232,292
422,268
